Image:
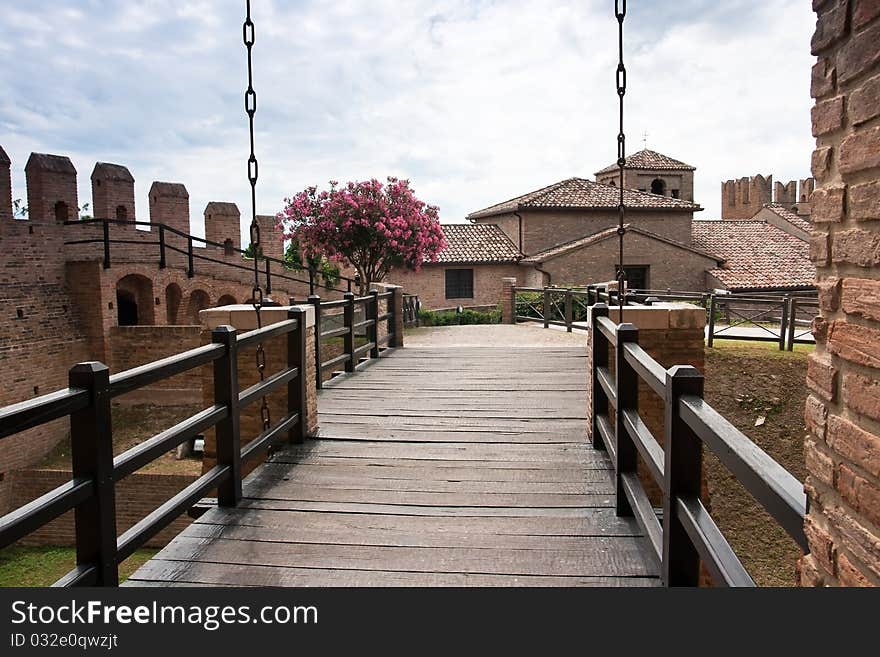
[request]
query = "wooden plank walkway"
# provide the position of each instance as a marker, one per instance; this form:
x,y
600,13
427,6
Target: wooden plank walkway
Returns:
x,y
435,466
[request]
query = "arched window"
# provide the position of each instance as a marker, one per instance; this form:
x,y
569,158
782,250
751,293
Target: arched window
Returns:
x,y
658,186
613,184
62,212
121,212
228,247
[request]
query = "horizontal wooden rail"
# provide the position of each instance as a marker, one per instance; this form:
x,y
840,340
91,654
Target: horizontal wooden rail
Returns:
x,y
40,410
688,533
333,362
778,491
91,490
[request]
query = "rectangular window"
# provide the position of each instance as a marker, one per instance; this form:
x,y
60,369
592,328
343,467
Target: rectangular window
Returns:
x,y
459,283
674,193
636,277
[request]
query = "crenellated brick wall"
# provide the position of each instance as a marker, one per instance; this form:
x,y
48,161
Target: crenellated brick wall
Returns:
x,y
843,410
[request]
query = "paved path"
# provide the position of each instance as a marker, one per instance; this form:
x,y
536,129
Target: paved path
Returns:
x,y
460,460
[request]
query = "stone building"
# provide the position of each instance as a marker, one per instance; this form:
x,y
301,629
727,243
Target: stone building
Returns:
x,y
565,235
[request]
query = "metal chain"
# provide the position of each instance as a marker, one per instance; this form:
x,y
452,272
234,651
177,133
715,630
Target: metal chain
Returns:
x,y
620,13
250,107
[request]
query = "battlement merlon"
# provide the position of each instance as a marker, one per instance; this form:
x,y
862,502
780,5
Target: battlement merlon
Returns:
x,y
222,223
169,205
51,188
5,186
112,192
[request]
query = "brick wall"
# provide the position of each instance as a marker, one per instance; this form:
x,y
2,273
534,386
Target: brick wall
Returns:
x,y
668,265
113,193
673,334
843,409
136,496
244,319
131,346
541,230
430,284
223,222
743,198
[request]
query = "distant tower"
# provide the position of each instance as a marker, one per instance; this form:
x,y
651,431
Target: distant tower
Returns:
x,y
652,172
742,199
169,205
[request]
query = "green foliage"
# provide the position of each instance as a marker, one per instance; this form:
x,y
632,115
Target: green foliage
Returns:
x,y
326,270
452,318
19,209
249,252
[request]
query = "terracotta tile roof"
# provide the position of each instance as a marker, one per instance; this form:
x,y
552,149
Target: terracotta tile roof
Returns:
x,y
647,159
792,218
580,193
608,233
757,255
477,243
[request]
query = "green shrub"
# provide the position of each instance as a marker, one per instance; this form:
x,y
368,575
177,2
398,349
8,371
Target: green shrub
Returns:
x,y
452,318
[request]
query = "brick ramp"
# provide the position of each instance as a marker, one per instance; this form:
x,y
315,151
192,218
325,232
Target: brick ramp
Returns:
x,y
435,466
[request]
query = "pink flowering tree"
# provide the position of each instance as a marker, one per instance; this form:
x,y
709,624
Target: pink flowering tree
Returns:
x,y
368,225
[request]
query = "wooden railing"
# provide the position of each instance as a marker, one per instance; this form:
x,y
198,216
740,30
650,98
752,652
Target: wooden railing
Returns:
x,y
783,319
271,268
352,354
411,307
687,533
91,491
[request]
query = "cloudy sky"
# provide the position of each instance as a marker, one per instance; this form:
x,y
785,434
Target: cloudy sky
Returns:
x,y
475,101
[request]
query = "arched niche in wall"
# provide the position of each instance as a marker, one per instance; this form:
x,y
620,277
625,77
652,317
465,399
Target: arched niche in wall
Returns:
x,y
134,301
173,296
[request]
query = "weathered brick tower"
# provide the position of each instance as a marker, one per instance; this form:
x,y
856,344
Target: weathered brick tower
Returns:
x,y
112,192
743,198
169,205
223,225
5,187
51,189
270,240
843,411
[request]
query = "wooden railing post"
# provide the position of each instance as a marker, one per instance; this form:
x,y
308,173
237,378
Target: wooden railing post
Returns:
x,y
315,300
783,322
228,430
627,386
372,312
190,270
547,307
599,358
568,310
296,357
162,262
105,225
395,324
348,337
268,276
711,331
591,295
682,478
91,440
792,319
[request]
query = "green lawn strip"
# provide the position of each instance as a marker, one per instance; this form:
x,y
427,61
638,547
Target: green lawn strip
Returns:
x,y
42,566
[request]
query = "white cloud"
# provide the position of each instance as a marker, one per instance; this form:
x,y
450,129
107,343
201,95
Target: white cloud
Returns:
x,y
474,101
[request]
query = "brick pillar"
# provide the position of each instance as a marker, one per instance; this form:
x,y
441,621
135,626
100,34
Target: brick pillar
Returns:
x,y
243,318
5,187
112,192
508,300
51,189
843,410
270,238
673,334
222,223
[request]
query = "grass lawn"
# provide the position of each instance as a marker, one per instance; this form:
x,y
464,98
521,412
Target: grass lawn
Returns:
x,y
42,566
746,381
